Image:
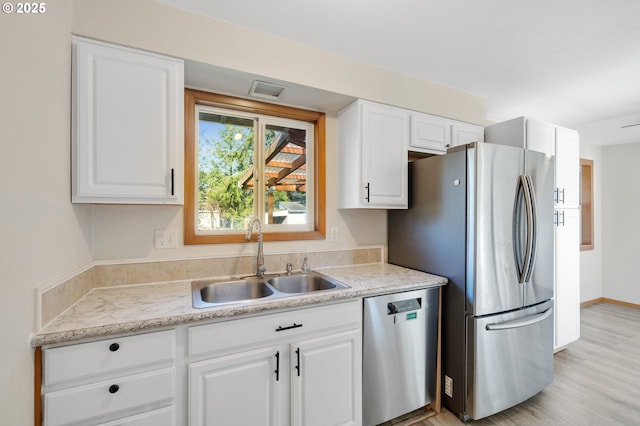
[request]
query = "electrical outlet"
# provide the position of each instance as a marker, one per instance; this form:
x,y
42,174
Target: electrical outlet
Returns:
x,y
448,386
334,233
165,239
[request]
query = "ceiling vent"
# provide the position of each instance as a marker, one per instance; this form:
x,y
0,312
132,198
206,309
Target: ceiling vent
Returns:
x,y
264,90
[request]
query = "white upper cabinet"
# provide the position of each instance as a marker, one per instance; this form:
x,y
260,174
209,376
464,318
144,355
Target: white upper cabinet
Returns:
x,y
434,135
372,156
374,141
540,136
549,139
429,133
127,131
464,133
523,132
567,168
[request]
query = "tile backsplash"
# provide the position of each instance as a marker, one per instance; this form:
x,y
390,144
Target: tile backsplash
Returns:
x,y
58,298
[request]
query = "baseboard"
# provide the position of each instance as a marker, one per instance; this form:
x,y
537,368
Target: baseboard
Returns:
x,y
592,302
607,300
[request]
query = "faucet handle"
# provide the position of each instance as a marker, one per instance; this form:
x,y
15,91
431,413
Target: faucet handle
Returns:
x,y
305,266
289,268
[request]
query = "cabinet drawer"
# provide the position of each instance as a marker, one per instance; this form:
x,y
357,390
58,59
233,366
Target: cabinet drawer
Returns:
x,y
97,399
224,335
89,359
163,417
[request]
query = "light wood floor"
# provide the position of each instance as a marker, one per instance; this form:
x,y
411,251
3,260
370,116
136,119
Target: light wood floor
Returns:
x,y
596,379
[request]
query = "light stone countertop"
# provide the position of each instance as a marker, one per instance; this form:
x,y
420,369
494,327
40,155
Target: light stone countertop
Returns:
x,y
128,309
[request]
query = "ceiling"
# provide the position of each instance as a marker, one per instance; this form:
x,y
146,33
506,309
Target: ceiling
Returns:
x,y
575,63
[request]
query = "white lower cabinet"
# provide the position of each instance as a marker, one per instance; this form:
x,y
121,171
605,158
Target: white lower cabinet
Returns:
x,y
325,386
296,368
121,381
237,389
301,367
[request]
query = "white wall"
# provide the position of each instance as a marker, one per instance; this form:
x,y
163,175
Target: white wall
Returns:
x,y
43,237
620,228
591,260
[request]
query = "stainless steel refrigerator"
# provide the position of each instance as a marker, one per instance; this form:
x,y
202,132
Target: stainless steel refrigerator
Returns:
x,y
482,216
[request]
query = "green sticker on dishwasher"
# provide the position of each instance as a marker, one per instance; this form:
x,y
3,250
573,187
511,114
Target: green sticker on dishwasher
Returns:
x,y
412,315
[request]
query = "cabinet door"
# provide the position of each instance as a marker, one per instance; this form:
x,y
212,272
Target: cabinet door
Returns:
x,y
462,133
327,380
567,288
127,125
238,389
430,134
385,135
540,136
567,168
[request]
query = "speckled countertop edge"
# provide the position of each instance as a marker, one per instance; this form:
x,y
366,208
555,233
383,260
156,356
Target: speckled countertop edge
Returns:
x,y
127,309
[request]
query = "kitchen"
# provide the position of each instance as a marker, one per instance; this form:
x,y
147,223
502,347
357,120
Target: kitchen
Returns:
x,y
47,240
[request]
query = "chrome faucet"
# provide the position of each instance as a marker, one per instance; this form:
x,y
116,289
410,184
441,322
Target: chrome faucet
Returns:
x,y
260,268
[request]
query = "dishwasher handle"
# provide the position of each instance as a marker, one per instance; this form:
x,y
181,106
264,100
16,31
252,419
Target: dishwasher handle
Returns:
x,y
402,306
530,320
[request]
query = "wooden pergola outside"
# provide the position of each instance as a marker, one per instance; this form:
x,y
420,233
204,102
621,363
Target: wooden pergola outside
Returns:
x,y
286,167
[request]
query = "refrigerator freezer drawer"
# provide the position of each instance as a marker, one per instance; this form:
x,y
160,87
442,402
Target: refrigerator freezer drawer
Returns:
x,y
509,358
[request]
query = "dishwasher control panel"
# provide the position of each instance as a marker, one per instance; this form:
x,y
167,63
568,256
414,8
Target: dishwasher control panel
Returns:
x,y
404,310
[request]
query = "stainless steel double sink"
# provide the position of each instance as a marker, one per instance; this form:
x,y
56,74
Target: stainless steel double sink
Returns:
x,y
210,293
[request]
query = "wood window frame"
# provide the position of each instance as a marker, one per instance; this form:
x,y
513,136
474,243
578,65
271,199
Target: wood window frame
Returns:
x,y
197,97
586,204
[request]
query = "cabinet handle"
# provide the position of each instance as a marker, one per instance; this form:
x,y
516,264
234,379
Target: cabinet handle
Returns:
x,y
367,196
114,347
298,361
281,328
277,366
114,388
172,186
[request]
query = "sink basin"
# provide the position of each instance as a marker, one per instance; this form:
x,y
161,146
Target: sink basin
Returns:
x,y
211,293
304,283
229,291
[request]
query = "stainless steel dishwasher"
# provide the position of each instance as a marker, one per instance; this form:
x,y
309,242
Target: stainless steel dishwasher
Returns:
x,y
400,338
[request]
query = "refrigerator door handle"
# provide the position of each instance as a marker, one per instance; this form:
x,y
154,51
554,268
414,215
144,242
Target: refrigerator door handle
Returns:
x,y
533,223
530,320
522,262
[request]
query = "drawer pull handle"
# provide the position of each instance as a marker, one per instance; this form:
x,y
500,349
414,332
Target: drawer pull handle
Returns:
x,y
114,347
114,388
281,328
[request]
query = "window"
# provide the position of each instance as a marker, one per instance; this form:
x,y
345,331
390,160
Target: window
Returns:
x,y
586,204
246,158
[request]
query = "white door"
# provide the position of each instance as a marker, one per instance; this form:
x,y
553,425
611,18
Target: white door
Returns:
x,y
567,291
238,389
462,134
127,133
385,137
326,380
567,168
429,133
540,136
